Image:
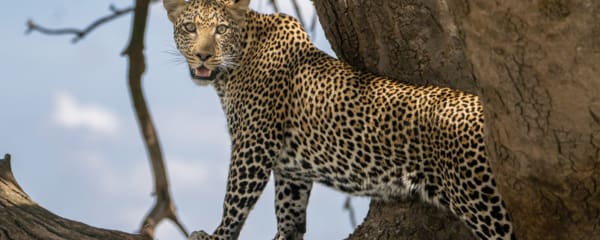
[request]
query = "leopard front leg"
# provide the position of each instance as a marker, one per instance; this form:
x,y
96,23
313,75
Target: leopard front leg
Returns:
x,y
249,172
291,200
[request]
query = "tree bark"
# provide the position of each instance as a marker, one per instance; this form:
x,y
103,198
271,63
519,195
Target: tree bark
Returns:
x,y
536,66
538,69
22,218
413,41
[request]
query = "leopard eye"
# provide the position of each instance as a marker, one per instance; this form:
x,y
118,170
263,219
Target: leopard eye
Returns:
x,y
189,27
222,29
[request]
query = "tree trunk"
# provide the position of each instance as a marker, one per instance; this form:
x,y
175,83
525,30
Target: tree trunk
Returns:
x,y
22,218
536,66
538,69
412,41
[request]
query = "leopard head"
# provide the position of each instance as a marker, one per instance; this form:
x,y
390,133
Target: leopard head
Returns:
x,y
208,33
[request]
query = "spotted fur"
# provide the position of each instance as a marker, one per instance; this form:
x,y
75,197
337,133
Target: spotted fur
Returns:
x,y
306,117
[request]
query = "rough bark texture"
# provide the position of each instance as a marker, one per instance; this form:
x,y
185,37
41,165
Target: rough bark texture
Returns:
x,y
536,66
410,40
413,41
22,218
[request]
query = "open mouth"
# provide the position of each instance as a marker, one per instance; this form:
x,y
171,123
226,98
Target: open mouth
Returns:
x,y
203,73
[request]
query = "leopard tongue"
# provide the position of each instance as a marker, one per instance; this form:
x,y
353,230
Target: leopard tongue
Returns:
x,y
203,72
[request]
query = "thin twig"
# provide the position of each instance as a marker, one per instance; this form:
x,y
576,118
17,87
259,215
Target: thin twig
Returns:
x,y
274,4
313,24
79,33
348,207
298,12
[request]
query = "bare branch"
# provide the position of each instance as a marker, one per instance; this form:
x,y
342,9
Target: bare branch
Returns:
x,y
348,207
311,27
298,12
163,207
79,33
274,4
313,23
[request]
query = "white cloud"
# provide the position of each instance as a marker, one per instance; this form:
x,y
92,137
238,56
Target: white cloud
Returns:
x,y
188,173
71,114
122,187
134,178
187,126
111,176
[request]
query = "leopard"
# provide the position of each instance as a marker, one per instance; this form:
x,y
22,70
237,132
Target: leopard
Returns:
x,y
301,116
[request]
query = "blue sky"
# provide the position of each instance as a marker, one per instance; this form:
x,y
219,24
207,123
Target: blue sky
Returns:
x,y
67,120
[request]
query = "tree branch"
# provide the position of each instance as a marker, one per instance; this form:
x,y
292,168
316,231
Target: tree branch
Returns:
x,y
79,33
348,207
22,218
274,4
298,12
163,207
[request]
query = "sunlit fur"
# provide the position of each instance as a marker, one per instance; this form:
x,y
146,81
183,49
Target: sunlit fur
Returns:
x,y
306,117
224,48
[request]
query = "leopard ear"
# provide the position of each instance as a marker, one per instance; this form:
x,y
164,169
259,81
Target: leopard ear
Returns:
x,y
239,8
174,8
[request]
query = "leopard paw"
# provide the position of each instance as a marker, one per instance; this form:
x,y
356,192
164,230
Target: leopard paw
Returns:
x,y
294,236
200,235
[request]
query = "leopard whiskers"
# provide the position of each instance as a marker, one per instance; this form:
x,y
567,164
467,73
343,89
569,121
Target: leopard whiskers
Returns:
x,y
228,62
177,57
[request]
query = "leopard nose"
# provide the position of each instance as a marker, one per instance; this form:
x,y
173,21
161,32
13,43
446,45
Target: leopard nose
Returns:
x,y
203,56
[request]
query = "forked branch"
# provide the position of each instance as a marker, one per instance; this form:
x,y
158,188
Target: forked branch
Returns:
x,y
79,33
163,208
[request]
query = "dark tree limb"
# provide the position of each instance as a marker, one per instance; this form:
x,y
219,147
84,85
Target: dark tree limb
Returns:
x,y
79,33
274,4
164,207
298,12
536,65
22,218
351,213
